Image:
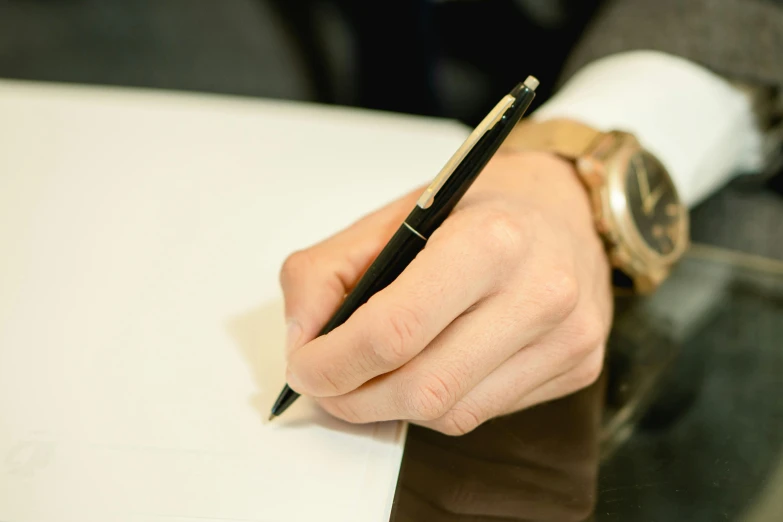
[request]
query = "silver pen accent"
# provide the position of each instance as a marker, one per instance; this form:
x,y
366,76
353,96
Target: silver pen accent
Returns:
x,y
486,125
414,230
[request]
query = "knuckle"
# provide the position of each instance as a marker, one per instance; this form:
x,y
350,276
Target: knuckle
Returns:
x,y
502,236
587,335
398,329
589,371
294,264
431,398
457,422
561,292
589,330
341,409
324,381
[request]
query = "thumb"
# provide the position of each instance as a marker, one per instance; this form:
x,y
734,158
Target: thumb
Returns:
x,y
315,280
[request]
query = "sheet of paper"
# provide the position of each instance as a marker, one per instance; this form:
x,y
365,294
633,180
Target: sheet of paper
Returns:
x,y
162,418
141,325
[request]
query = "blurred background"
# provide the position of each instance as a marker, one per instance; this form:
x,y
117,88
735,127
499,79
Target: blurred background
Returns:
x,y
450,58
447,58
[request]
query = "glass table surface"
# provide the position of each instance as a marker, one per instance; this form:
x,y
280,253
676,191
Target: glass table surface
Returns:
x,y
685,423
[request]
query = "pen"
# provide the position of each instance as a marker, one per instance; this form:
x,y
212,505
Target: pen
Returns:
x,y
432,208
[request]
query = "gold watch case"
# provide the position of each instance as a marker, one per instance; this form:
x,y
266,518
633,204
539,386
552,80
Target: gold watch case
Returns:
x,y
604,169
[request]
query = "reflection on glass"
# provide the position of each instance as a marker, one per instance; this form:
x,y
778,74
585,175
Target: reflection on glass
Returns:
x,y
539,464
686,424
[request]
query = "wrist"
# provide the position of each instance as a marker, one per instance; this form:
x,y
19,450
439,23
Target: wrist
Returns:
x,y
545,181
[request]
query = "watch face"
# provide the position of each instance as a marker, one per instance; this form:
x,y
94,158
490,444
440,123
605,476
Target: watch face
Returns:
x,y
653,203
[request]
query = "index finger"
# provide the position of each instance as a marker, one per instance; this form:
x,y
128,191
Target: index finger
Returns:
x,y
448,277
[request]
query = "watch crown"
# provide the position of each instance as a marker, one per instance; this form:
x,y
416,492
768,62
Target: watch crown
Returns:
x,y
605,230
619,258
590,171
585,165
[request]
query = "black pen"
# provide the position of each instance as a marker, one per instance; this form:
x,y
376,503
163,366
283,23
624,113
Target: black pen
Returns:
x,y
432,208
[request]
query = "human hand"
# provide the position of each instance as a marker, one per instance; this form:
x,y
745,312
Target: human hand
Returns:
x,y
508,305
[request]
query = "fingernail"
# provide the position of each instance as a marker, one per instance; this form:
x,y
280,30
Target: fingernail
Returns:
x,y
293,335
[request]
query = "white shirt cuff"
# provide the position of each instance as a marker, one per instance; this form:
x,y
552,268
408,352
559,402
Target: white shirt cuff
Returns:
x,y
697,124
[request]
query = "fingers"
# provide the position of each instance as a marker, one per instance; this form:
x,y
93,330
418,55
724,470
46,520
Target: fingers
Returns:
x,y
492,399
568,359
458,359
315,280
453,385
581,376
313,286
471,348
453,273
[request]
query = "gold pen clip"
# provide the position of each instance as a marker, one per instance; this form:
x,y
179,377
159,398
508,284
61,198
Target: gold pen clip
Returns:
x,y
428,196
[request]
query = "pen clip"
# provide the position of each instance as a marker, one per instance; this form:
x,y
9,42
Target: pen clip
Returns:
x,y
495,115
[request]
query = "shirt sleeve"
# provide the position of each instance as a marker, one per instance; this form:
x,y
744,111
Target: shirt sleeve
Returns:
x,y
697,124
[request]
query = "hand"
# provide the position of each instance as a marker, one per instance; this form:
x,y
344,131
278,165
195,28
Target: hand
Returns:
x,y
649,200
507,306
648,205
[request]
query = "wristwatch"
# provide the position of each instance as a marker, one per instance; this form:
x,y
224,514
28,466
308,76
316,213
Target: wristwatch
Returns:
x,y
635,205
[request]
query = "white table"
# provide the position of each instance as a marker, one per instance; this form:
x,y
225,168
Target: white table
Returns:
x,y
141,234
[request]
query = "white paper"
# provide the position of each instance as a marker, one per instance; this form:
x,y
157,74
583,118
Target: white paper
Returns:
x,y
141,325
167,423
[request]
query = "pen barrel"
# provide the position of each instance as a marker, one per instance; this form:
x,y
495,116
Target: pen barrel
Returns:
x,y
401,249
427,220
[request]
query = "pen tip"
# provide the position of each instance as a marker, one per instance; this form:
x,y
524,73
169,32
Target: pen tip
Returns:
x,y
271,417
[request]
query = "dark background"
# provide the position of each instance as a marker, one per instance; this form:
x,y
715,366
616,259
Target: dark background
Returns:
x,y
416,56
452,60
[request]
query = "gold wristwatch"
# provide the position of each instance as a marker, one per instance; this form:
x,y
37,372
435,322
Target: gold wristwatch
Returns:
x,y
635,205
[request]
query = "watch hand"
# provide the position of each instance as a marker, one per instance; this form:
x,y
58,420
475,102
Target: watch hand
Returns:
x,y
649,204
641,178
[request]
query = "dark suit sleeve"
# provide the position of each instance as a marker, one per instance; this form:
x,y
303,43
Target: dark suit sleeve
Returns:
x,y
741,40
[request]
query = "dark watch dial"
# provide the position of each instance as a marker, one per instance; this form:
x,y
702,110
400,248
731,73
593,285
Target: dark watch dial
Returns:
x,y
653,203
